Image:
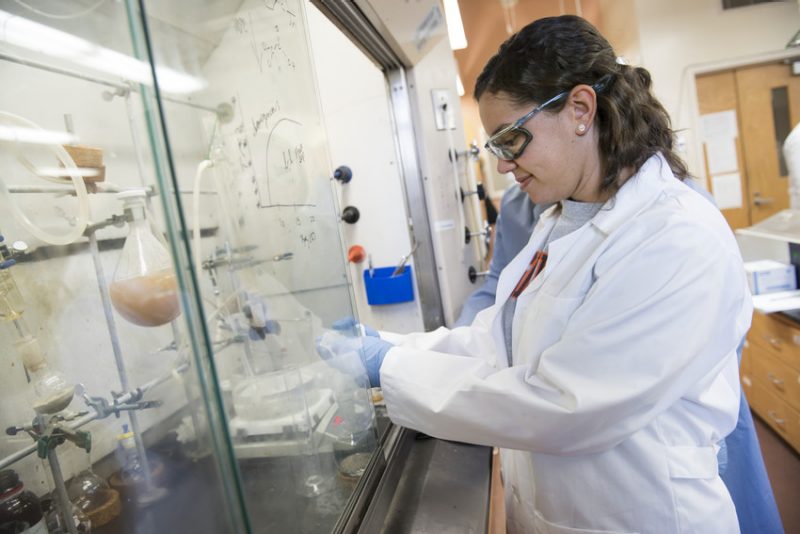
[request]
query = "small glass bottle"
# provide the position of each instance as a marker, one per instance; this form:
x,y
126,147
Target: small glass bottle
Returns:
x,y
20,510
131,469
145,289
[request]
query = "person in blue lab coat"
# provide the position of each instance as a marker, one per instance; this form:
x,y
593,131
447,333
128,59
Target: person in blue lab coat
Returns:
x,y
740,463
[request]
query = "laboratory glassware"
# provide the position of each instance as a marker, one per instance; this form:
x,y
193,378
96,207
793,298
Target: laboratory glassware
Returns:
x,y
144,289
20,510
52,391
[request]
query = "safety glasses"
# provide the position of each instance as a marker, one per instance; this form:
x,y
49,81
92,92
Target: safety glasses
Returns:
x,y
510,142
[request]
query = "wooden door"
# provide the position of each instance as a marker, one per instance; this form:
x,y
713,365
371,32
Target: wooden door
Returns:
x,y
716,93
769,105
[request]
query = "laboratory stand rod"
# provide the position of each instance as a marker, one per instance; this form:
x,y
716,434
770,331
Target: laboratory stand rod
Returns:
x,y
102,187
92,415
64,504
93,79
115,347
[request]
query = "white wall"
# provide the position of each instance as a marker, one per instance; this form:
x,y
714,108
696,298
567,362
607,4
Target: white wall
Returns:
x,y
681,34
356,110
357,113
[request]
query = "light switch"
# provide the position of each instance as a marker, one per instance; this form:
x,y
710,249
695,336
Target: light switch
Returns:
x,y
443,109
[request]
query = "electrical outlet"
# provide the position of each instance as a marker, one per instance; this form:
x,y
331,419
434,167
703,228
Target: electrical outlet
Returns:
x,y
443,109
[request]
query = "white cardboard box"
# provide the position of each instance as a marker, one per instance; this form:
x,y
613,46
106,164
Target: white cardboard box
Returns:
x,y
767,276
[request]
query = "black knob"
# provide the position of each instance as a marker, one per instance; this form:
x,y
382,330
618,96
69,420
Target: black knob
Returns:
x,y
472,273
350,214
343,174
467,236
479,190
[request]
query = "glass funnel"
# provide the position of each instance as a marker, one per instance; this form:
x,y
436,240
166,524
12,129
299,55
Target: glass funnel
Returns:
x,y
145,289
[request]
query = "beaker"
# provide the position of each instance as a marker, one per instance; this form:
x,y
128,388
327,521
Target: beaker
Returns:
x,y
353,428
145,289
52,392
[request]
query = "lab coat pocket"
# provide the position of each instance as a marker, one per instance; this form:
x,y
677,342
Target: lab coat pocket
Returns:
x,y
539,322
692,462
543,526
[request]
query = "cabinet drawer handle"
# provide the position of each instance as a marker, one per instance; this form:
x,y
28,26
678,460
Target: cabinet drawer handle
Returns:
x,y
777,420
777,382
773,341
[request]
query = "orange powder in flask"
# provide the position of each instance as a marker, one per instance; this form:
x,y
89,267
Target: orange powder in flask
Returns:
x,y
147,300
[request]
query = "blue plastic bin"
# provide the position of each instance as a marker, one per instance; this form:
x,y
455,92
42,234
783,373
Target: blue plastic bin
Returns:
x,y
383,288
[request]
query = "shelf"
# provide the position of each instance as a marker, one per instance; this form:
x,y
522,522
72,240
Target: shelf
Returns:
x,y
783,226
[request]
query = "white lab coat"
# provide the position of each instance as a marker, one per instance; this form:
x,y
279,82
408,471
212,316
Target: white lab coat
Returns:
x,y
624,372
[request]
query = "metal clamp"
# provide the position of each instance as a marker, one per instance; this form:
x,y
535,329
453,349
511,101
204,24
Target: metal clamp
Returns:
x,y
133,402
48,436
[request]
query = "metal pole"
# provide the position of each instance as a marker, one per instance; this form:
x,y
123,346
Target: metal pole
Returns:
x,y
121,371
93,79
64,504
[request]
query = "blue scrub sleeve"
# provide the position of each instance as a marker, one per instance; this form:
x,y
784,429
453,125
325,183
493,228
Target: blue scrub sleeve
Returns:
x,y
518,216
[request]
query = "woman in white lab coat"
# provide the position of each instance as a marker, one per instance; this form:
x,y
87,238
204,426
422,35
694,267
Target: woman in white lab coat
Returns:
x,y
607,370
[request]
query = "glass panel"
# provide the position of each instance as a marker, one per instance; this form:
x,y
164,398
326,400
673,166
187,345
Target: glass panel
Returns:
x,y
114,410
782,122
251,153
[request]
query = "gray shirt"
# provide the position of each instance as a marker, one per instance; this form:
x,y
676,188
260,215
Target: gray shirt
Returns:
x,y
573,215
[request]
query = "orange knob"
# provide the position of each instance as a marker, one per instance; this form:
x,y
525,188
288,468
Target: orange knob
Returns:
x,y
356,254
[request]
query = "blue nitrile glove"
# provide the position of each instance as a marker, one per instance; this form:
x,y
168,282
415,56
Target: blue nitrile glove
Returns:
x,y
373,351
349,326
354,355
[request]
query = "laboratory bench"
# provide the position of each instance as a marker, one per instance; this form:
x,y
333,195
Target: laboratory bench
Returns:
x,y
416,484
770,372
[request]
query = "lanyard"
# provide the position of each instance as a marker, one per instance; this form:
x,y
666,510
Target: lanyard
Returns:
x,y
534,268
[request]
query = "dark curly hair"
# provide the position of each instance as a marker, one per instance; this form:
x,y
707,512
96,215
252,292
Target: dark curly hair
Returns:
x,y
555,54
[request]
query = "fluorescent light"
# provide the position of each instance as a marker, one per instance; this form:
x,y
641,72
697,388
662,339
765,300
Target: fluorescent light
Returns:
x,y
36,136
19,31
455,28
459,85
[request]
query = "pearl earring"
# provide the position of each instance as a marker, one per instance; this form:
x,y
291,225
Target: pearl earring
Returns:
x,y
581,128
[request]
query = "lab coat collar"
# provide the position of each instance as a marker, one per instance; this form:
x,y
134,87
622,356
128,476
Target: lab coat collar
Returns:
x,y
638,192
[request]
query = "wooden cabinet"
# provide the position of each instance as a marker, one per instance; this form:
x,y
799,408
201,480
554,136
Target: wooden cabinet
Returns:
x,y
771,374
